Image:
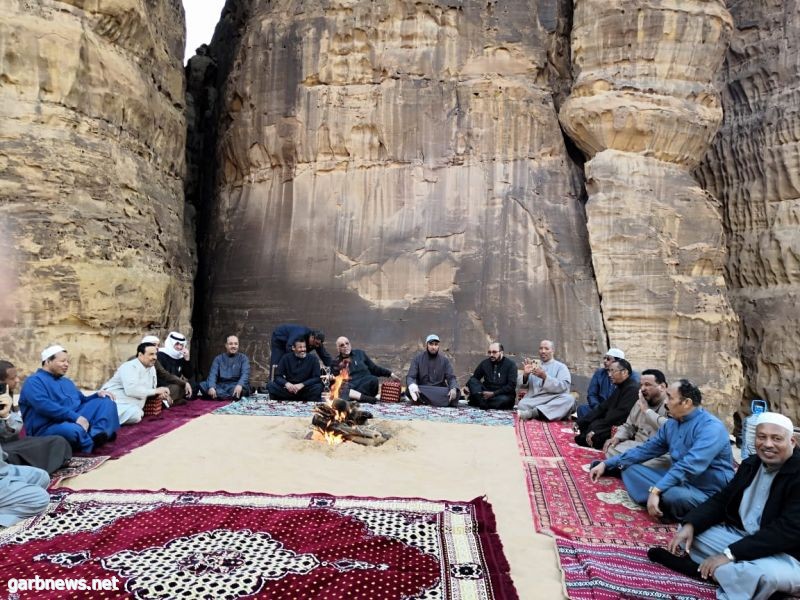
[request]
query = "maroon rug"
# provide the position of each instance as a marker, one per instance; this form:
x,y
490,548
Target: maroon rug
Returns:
x,y
600,533
219,545
131,437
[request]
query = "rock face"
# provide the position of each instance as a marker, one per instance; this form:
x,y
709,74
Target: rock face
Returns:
x,y
753,168
394,168
96,249
644,109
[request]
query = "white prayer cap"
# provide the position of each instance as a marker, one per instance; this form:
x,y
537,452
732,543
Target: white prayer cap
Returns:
x,y
150,339
776,419
615,352
51,351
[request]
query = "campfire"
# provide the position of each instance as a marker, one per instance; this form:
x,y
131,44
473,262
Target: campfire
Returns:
x,y
340,420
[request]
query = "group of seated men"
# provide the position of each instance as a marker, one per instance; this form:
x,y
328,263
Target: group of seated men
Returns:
x,y
673,456
741,530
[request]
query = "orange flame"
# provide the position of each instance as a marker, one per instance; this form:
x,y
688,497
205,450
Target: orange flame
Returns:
x,y
331,437
343,376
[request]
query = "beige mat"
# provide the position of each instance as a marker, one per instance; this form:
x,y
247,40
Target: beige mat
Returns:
x,y
423,459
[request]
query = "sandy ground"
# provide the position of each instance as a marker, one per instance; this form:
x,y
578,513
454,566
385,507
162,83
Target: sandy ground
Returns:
x,y
439,461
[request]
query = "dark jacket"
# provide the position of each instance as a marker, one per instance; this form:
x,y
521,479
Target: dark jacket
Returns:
x,y
287,334
359,365
297,370
610,413
780,521
500,378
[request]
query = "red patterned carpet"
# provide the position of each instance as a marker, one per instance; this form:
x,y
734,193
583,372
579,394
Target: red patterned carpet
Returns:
x,y
219,545
601,534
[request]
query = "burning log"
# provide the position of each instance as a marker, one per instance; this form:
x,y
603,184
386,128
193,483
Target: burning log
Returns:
x,y
339,419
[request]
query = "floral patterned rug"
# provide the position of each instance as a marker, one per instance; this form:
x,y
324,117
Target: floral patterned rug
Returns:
x,y
602,536
261,405
218,545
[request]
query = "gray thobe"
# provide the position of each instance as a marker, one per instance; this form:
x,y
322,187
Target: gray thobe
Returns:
x,y
550,396
23,492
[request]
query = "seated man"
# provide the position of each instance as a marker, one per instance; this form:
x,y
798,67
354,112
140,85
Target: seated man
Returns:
x,y
52,405
430,378
601,386
548,397
595,428
494,383
229,376
49,452
284,337
297,376
647,415
697,442
362,371
135,382
173,369
747,535
23,492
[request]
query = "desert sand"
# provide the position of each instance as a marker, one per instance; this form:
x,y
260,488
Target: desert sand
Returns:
x,y
439,461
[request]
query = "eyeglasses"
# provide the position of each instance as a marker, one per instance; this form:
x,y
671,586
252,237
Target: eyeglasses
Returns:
x,y
494,351
615,370
608,358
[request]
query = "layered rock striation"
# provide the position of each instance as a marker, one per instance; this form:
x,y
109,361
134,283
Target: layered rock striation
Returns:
x,y
753,168
390,169
97,247
644,109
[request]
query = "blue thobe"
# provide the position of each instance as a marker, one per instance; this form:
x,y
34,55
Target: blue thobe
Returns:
x,y
52,404
702,463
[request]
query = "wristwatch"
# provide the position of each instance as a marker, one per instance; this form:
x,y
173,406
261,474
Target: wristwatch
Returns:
x,y
728,554
653,490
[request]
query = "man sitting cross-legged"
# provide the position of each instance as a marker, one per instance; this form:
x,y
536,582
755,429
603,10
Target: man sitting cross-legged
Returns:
x,y
747,535
362,372
134,382
52,405
229,376
548,395
297,376
493,385
595,428
48,452
647,415
698,444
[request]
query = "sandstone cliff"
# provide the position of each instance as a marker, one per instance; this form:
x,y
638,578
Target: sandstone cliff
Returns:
x,y
92,159
390,169
644,109
753,168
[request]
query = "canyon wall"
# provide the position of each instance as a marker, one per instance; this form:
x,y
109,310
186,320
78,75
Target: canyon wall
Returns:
x,y
390,169
644,108
97,247
753,168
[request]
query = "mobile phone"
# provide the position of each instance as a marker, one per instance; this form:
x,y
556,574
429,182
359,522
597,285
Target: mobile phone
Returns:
x,y
3,388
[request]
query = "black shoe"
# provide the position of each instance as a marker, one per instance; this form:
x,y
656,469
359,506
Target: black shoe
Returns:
x,y
368,399
100,439
682,564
